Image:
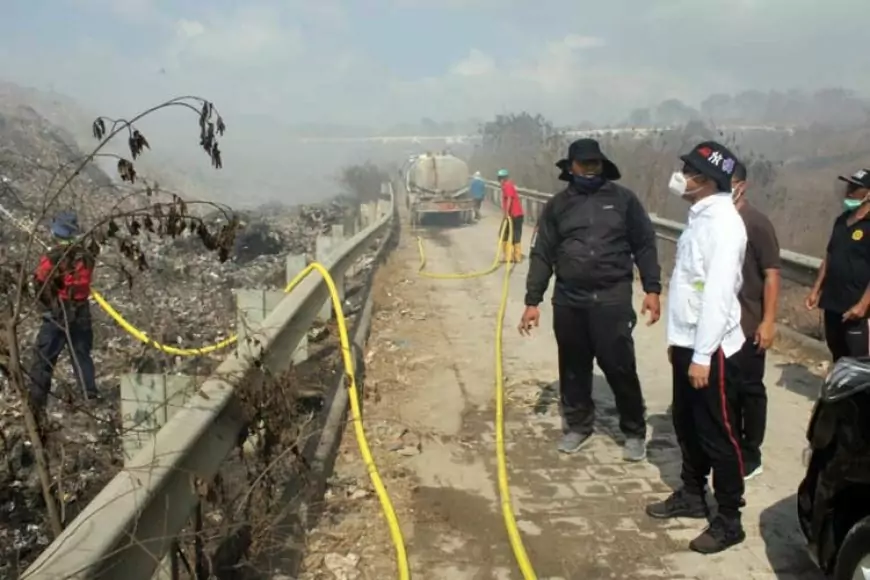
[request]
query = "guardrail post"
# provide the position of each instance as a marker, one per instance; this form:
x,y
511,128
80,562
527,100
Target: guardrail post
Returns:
x,y
323,248
252,308
350,230
339,278
368,210
534,212
350,224
148,401
363,216
295,264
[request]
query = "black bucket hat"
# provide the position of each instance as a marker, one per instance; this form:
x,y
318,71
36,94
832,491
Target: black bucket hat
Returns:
x,y
712,160
587,150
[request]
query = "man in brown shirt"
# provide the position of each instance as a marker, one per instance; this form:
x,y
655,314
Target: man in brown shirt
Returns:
x,y
758,299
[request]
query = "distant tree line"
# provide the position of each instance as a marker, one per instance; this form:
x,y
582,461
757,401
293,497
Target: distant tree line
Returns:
x,y
830,107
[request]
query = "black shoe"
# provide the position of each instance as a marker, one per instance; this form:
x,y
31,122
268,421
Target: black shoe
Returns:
x,y
722,533
680,504
93,400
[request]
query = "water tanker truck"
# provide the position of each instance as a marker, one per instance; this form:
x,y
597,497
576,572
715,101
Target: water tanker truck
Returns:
x,y
438,184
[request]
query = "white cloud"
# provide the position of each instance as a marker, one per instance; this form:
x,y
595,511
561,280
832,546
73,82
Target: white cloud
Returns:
x,y
475,64
560,79
139,11
187,29
250,37
579,42
313,61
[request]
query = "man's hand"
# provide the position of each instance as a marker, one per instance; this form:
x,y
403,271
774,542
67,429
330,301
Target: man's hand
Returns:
x,y
856,312
530,319
764,335
653,305
812,299
699,376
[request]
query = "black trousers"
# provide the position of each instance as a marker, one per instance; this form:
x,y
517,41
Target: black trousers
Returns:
x,y
846,338
68,327
601,333
517,230
749,402
703,422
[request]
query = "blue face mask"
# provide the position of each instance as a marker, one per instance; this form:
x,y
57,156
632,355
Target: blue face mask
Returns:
x,y
583,182
852,204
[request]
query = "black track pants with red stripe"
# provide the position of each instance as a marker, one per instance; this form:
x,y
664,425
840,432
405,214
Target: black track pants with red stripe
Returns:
x,y
705,431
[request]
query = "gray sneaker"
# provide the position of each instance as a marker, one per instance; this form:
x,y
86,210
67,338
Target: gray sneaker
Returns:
x,y
572,441
634,450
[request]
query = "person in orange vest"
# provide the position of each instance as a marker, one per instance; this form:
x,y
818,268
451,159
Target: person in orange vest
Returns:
x,y
63,283
512,209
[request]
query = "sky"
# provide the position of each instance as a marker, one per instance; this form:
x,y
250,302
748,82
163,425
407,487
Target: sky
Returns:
x,y
381,62
268,64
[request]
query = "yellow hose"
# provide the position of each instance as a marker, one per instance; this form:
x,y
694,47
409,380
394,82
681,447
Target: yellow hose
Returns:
x,y
141,336
510,522
466,275
347,357
353,393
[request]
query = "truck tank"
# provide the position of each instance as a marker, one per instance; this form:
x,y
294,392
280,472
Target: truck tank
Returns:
x,y
439,174
438,184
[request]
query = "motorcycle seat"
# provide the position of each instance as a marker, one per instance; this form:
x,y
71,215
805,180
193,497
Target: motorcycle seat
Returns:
x,y
849,374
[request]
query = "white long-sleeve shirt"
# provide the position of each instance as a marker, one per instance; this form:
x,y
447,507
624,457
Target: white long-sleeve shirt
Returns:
x,y
703,308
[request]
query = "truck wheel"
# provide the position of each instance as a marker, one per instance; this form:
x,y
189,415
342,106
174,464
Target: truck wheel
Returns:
x,y
853,558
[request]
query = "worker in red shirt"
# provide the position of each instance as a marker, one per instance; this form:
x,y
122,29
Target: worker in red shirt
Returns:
x,y
512,209
63,285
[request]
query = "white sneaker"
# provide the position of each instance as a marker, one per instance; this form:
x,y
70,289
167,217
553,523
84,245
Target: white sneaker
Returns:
x,y
754,473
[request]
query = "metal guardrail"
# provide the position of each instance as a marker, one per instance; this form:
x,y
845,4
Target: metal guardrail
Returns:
x,y
130,525
795,267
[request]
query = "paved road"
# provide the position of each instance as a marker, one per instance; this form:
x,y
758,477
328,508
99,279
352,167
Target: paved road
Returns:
x,y
581,516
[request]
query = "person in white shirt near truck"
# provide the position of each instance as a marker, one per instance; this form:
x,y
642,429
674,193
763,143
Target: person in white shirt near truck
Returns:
x,y
704,335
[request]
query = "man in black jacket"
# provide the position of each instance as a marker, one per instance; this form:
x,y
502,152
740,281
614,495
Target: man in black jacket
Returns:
x,y
590,236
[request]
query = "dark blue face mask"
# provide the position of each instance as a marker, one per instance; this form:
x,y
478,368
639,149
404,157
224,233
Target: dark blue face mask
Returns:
x,y
588,183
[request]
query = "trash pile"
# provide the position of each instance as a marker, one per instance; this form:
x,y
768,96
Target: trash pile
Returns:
x,y
183,298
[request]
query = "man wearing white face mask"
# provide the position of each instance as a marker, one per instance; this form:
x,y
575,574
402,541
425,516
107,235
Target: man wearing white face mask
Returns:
x,y
704,335
842,288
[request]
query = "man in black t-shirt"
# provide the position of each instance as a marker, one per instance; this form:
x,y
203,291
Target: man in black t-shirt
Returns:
x,y
841,288
758,299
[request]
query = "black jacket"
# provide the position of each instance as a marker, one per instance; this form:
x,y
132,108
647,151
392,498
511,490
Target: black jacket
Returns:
x,y
588,240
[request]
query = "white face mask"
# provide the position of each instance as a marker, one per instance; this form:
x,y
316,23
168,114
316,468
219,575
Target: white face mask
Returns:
x,y
679,185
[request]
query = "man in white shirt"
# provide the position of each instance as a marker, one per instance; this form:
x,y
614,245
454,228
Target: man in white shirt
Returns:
x,y
704,334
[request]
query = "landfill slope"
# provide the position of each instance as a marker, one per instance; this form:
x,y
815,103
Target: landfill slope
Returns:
x,y
184,298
